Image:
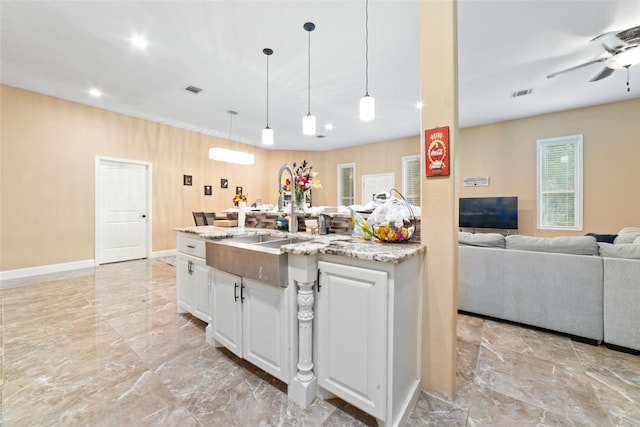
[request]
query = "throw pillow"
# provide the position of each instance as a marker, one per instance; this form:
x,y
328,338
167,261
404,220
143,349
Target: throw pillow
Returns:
x,y
627,235
606,238
620,250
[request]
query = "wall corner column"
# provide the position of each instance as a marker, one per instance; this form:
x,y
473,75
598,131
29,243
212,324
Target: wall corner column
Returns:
x,y
438,75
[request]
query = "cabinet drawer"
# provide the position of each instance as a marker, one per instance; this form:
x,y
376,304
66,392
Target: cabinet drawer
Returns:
x,y
191,246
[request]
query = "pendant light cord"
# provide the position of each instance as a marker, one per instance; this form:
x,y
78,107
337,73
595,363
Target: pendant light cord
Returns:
x,y
366,42
309,78
267,90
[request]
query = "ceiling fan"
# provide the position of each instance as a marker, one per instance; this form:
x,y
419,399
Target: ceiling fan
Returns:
x,y
623,51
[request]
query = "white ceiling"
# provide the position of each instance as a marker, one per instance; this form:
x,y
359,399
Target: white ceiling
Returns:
x,y
64,48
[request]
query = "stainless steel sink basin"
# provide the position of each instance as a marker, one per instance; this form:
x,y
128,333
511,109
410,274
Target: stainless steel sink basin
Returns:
x,y
258,257
255,238
280,242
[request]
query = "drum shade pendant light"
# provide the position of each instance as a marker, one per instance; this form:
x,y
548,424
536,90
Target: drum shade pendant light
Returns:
x,y
367,103
309,121
267,133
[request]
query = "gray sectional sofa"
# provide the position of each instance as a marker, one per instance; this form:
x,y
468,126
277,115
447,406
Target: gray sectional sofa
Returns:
x,y
574,285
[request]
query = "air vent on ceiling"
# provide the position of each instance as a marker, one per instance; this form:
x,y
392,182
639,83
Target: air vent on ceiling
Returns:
x,y
521,93
193,89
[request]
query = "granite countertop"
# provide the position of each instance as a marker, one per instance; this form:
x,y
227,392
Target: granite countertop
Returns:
x,y
330,244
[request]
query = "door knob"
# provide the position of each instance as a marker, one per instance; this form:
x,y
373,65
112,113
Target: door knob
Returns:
x,y
144,216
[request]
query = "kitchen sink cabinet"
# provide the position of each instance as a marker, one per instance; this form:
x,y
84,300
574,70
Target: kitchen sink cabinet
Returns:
x,y
368,334
251,320
352,340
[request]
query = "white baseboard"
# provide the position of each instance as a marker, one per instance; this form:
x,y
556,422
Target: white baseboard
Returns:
x,y
45,269
21,273
161,254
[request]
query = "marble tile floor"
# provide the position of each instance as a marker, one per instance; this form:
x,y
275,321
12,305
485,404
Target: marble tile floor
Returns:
x,y
105,347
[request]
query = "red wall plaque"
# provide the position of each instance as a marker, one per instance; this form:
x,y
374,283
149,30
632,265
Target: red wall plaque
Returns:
x,y
437,150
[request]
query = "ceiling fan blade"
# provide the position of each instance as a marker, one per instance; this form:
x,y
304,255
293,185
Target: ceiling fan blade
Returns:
x,y
604,73
616,41
595,61
630,35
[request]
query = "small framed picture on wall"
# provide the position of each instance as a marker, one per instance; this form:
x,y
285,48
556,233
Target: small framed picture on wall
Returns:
x,y
187,180
207,190
238,190
224,183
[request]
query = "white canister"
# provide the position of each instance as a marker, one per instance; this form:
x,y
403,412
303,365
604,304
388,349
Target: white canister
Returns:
x,y
241,208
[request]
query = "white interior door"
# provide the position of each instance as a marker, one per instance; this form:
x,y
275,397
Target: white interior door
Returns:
x,y
376,183
122,209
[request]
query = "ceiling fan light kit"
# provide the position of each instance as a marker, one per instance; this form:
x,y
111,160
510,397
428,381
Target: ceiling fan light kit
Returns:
x,y
626,58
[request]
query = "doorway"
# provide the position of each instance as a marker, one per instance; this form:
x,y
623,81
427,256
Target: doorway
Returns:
x,y
376,183
123,210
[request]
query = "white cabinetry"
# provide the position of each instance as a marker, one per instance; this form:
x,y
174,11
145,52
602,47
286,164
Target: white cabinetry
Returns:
x,y
251,320
192,278
367,334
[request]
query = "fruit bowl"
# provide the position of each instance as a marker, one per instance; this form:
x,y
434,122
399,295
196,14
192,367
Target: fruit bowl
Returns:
x,y
394,232
393,221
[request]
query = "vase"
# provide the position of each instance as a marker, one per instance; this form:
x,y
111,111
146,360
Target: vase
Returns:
x,y
301,200
241,213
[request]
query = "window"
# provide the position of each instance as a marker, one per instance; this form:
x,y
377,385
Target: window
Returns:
x,y
559,175
411,179
347,184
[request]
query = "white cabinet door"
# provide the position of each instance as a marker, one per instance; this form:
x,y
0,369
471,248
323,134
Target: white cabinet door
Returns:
x,y
227,310
264,327
352,335
200,305
184,283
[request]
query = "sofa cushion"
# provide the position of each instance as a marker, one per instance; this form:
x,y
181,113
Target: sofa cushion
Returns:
x,y
606,238
637,241
620,250
627,235
485,240
575,245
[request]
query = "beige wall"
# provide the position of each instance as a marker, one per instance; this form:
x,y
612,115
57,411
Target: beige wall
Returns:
x,y
48,148
506,152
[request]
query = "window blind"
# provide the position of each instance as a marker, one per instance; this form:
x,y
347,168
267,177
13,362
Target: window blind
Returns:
x,y
559,177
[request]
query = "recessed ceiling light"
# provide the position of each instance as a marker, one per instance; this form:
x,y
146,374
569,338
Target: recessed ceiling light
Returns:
x,y
328,126
95,92
139,41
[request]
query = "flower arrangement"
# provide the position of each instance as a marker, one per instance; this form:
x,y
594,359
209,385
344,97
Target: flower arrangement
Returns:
x,y
239,197
305,180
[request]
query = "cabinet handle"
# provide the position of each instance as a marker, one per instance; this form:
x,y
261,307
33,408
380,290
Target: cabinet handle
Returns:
x,y
235,291
191,246
242,293
189,267
318,281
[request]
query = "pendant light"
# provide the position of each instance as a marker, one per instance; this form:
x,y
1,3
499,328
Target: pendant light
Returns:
x,y
309,121
367,103
267,133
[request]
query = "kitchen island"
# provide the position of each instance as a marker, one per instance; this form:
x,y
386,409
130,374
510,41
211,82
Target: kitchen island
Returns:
x,y
344,322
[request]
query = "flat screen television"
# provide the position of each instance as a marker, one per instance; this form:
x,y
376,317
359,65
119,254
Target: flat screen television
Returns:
x,y
489,212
